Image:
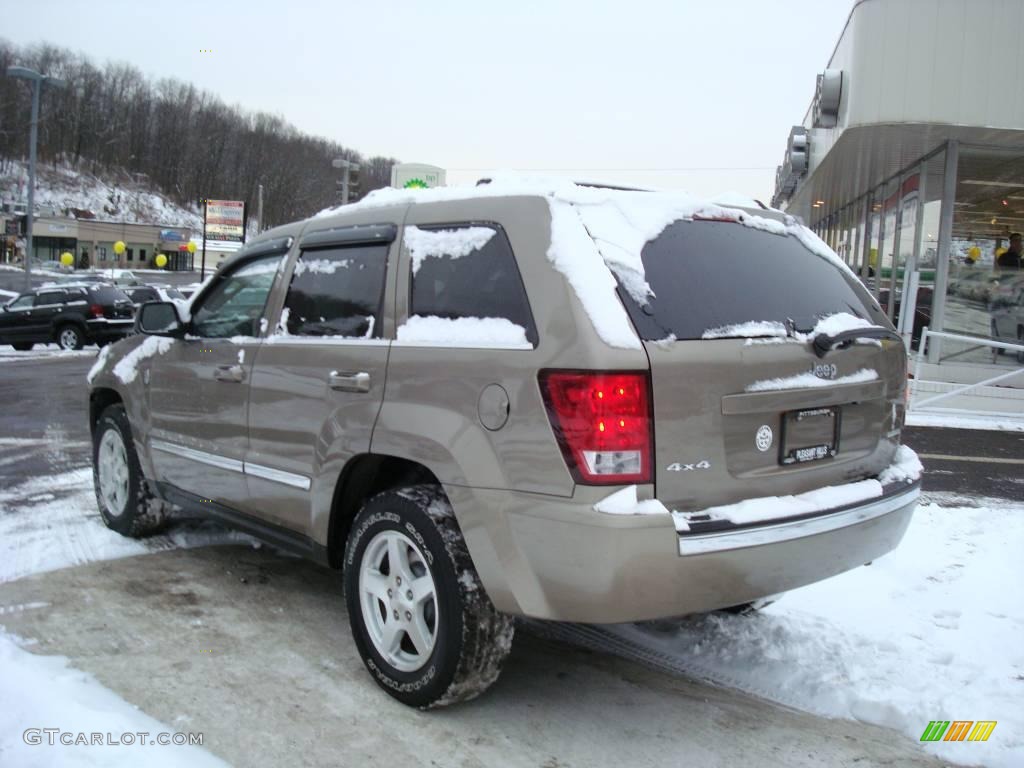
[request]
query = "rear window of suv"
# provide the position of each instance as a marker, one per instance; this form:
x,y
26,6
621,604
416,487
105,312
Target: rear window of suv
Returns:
x,y
106,294
709,275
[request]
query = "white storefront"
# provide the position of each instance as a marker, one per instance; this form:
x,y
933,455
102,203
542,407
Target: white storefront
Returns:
x,y
909,162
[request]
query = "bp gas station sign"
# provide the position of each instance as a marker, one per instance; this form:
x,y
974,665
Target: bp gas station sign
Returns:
x,y
417,176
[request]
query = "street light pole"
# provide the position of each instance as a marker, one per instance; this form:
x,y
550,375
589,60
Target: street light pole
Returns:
x,y
38,80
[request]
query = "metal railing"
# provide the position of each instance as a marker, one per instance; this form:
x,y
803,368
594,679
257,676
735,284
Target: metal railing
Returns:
x,y
978,341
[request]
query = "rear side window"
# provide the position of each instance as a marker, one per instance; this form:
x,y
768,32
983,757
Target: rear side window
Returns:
x,y
467,271
337,292
707,276
143,294
49,297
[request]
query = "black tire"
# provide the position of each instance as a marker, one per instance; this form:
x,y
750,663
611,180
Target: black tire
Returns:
x,y
23,346
70,337
472,637
142,513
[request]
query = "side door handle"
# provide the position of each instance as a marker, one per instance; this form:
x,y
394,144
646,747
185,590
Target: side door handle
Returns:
x,y
349,382
231,373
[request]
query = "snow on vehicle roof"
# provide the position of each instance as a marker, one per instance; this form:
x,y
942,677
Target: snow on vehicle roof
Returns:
x,y
597,231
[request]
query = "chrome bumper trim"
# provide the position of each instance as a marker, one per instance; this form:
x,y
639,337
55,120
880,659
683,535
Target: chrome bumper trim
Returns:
x,y
702,544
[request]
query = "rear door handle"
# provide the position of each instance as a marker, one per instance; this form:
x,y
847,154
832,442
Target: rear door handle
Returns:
x,y
230,373
349,382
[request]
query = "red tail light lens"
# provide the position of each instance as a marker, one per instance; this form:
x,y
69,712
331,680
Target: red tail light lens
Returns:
x,y
96,310
603,424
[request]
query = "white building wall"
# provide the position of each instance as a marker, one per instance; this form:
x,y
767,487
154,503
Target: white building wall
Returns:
x,y
955,62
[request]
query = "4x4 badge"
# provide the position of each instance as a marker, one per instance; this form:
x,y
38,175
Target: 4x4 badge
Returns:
x,y
677,467
764,438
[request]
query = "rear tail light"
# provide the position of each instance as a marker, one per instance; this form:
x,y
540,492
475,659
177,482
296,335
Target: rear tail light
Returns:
x,y
603,424
96,310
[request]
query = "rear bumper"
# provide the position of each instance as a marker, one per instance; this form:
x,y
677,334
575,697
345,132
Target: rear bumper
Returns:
x,y
557,559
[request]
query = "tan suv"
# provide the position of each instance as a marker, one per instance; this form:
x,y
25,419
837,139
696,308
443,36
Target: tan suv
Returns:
x,y
562,402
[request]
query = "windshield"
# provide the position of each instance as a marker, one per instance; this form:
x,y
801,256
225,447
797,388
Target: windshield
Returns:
x,y
710,276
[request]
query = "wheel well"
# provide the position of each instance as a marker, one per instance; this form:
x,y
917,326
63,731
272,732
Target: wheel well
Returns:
x,y
99,399
365,476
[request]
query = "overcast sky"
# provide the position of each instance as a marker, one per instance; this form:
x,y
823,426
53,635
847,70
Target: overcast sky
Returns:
x,y
575,88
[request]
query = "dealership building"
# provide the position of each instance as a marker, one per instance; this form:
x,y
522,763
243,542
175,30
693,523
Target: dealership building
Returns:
x,y
909,162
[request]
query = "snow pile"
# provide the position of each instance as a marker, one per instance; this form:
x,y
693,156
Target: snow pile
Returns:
x,y
624,502
928,632
451,243
127,367
320,266
833,325
596,231
50,694
809,380
751,330
464,332
905,467
101,361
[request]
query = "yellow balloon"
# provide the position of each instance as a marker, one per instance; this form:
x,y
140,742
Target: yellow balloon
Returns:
x,y
191,247
119,247
1001,251
161,261
67,259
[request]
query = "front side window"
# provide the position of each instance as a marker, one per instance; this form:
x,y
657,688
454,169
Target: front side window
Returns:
x,y
466,287
337,292
235,306
22,302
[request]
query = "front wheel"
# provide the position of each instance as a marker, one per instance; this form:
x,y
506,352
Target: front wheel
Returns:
x,y
122,493
69,337
420,617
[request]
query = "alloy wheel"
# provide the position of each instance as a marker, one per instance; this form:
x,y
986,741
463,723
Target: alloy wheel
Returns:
x,y
398,600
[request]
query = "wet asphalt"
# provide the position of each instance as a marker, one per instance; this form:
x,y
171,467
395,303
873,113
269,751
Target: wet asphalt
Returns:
x,y
44,430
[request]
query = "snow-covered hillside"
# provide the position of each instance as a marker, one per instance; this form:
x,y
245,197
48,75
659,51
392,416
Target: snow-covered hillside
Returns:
x,y
71,192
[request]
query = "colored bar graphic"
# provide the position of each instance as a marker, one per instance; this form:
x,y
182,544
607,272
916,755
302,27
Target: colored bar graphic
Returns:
x,y
982,730
958,730
935,730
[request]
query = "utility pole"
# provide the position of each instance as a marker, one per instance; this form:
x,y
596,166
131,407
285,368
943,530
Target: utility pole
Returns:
x,y
347,167
38,81
202,269
259,209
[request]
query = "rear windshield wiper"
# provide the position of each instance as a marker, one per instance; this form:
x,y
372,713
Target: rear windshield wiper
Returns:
x,y
823,343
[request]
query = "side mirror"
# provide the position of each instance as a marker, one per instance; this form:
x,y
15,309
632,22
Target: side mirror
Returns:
x,y
159,318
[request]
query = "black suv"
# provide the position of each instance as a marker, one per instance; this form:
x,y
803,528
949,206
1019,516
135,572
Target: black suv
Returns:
x,y
71,315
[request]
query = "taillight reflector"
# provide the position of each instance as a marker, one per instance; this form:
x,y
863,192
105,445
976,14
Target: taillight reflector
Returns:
x,y
603,424
96,310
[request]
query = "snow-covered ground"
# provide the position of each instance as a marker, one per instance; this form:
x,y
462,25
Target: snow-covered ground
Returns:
x,y
44,692
931,631
43,352
935,418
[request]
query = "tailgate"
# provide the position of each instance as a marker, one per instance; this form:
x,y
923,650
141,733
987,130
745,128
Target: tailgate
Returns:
x,y
735,420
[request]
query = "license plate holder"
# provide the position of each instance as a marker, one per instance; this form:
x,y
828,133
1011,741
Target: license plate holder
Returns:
x,y
809,435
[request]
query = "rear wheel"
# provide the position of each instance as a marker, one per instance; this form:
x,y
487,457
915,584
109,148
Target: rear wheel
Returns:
x,y
70,337
125,501
23,346
420,617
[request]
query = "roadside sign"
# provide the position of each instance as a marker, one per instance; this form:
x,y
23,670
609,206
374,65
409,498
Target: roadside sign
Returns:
x,y
225,220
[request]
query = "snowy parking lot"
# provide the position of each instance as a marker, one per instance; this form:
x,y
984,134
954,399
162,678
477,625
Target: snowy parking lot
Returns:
x,y
928,632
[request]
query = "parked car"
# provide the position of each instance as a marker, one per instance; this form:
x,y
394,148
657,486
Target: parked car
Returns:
x,y
519,405
121,277
71,314
51,265
140,294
